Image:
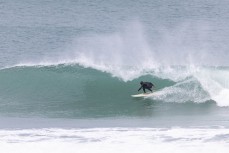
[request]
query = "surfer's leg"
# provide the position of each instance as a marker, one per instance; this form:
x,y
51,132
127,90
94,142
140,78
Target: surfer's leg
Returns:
x,y
150,89
144,90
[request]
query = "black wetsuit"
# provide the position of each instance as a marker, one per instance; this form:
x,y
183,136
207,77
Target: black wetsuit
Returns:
x,y
146,85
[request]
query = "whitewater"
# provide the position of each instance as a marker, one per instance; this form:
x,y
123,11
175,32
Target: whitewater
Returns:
x,y
68,70
116,139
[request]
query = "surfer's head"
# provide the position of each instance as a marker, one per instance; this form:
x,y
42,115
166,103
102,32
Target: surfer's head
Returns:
x,y
141,82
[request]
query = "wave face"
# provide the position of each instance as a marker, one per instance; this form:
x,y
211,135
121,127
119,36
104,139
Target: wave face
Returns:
x,y
79,91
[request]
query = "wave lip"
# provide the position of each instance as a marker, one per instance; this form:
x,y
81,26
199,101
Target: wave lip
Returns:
x,y
215,82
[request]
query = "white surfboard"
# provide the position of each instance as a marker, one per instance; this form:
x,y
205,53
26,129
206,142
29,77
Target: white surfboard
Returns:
x,y
143,95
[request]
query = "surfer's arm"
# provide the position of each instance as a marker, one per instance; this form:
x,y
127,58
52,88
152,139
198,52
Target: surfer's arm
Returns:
x,y
140,88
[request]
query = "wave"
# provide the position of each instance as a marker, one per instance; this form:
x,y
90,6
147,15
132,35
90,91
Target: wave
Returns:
x,y
190,83
72,90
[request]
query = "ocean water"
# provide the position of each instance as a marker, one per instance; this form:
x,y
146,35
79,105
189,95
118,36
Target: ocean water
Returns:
x,y
68,70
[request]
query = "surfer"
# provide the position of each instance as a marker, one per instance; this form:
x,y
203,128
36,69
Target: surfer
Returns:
x,y
146,85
